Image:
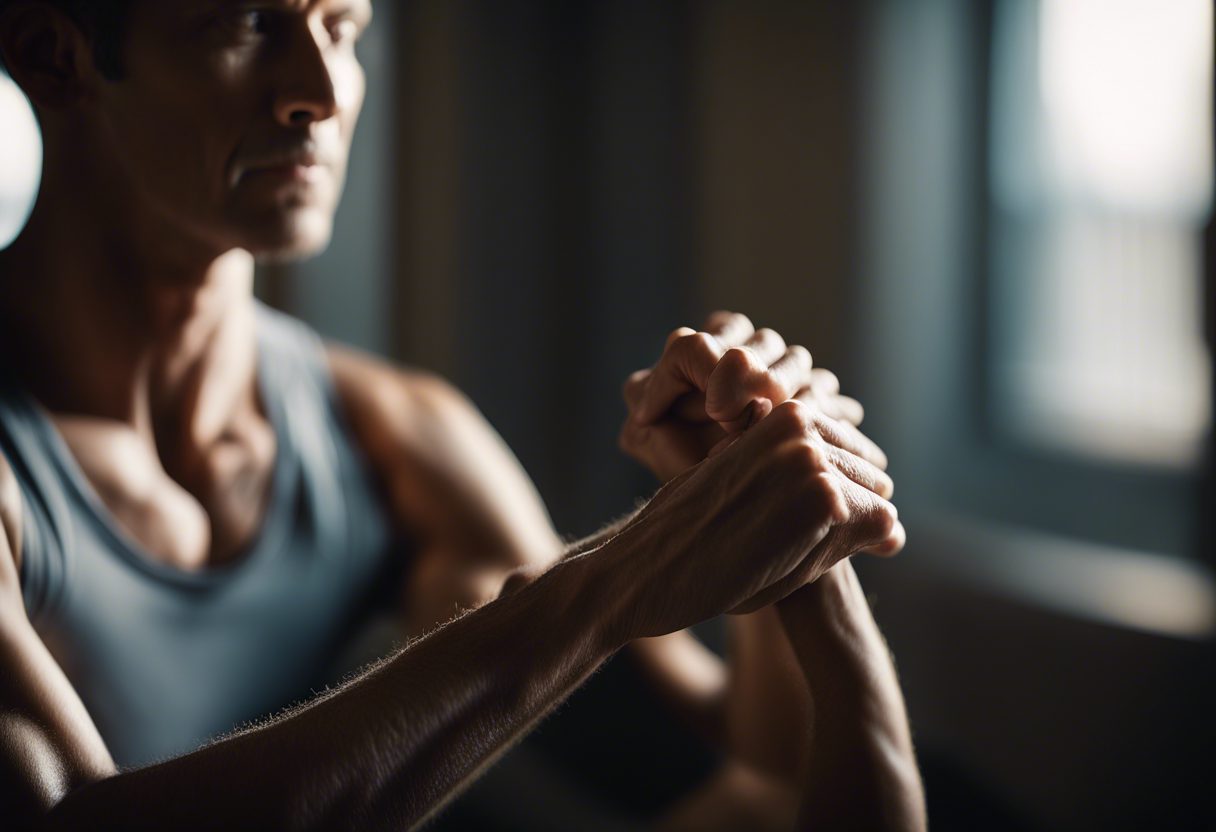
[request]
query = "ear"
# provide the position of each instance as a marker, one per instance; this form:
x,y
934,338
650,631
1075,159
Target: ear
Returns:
x,y
47,55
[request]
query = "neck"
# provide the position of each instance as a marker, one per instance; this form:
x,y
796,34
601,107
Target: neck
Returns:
x,y
99,319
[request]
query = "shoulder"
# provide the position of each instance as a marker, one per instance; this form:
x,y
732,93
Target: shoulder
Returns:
x,y
389,404
10,519
371,380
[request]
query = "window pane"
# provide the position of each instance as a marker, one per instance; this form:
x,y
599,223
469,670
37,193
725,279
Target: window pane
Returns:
x,y
1102,181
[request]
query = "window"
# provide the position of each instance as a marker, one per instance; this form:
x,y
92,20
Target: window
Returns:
x,y
1101,182
1038,175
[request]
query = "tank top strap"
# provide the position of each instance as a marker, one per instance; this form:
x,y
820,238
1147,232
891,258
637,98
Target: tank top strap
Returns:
x,y
297,380
45,512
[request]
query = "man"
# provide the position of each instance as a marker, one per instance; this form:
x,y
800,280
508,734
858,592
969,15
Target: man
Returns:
x,y
198,497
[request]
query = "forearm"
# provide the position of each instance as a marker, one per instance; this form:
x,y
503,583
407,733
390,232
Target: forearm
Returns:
x,y
387,750
768,705
862,771
766,716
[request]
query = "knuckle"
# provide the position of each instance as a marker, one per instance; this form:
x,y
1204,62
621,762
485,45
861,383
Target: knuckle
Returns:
x,y
800,354
790,417
634,382
768,336
634,396
678,333
736,358
882,520
815,462
696,345
825,381
822,493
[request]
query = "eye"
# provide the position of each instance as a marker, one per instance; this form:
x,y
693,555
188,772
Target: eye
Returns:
x,y
246,23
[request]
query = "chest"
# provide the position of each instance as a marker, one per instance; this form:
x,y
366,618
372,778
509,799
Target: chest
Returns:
x,y
186,506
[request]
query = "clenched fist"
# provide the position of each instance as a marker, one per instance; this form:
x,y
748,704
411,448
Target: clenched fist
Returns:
x,y
710,385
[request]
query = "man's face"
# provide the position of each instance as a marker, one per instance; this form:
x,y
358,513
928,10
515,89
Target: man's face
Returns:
x,y
234,123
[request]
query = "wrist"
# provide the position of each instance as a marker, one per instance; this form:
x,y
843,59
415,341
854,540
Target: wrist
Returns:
x,y
833,599
829,625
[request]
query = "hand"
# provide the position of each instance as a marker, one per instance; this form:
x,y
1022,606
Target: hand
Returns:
x,y
767,514
713,384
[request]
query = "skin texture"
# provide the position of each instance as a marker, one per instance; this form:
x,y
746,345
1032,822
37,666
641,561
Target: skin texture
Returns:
x,y
226,140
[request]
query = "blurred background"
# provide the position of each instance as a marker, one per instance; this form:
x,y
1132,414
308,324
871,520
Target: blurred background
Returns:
x,y
990,217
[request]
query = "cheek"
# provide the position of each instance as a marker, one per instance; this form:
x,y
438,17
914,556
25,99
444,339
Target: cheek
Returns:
x,y
350,85
174,154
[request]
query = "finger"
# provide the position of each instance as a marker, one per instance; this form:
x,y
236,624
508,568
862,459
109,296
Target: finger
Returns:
x,y
690,408
731,328
793,368
741,390
873,525
825,387
684,367
893,545
846,409
677,334
668,449
790,431
845,436
825,381
854,441
793,365
860,471
767,344
634,388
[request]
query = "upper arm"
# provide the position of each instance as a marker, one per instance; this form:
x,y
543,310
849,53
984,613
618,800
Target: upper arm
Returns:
x,y
449,477
48,743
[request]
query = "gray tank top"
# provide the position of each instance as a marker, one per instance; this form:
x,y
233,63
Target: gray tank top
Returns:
x,y
165,659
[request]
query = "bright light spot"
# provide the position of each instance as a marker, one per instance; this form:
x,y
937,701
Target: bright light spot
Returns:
x,y
1125,87
20,160
1102,183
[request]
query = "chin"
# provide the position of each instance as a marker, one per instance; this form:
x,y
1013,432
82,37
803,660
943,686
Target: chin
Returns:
x,y
300,235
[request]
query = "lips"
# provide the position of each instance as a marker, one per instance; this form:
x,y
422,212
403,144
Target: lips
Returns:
x,y
304,166
288,171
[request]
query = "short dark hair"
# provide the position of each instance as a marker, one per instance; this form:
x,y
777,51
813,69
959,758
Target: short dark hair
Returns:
x,y
103,22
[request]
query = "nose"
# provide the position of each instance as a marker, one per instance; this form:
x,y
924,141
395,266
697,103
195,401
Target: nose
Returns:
x,y
307,92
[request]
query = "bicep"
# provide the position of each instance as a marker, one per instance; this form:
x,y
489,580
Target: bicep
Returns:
x,y
48,743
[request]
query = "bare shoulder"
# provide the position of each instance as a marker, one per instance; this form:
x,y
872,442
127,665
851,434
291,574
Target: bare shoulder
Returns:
x,y
370,380
386,403
10,523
